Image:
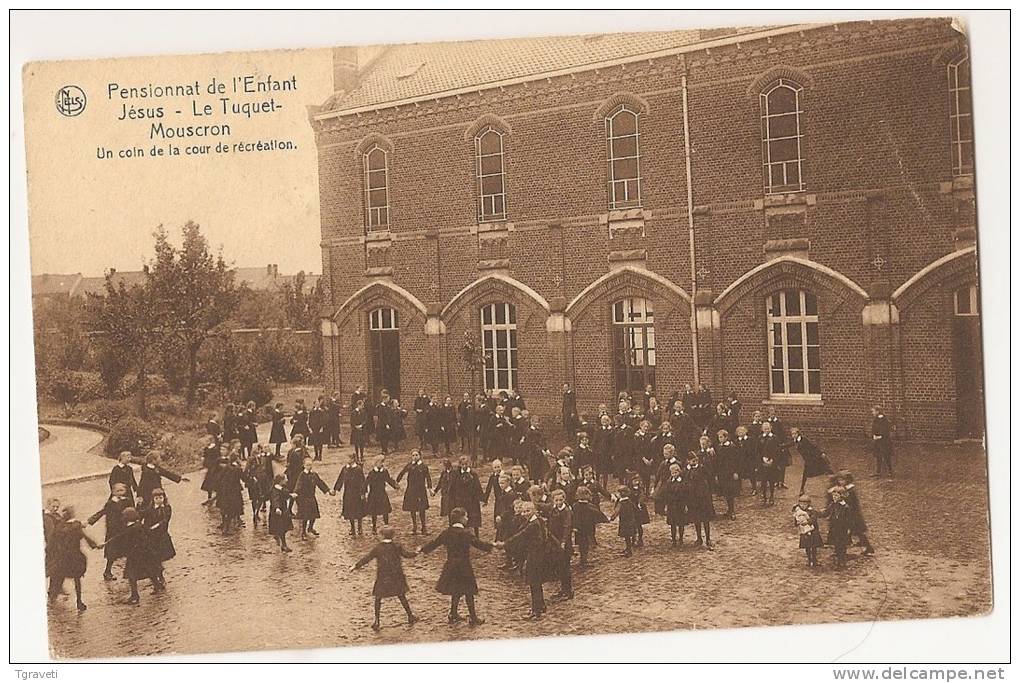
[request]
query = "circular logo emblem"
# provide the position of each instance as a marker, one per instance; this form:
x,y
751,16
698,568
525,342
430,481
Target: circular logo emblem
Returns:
x,y
70,100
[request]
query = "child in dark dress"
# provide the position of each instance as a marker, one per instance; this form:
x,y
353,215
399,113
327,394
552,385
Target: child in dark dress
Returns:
x,y
377,502
390,581
586,516
840,518
307,504
351,481
113,510
64,558
416,496
122,473
672,492
156,520
805,518
458,577
281,511
443,487
626,511
638,497
700,508
858,527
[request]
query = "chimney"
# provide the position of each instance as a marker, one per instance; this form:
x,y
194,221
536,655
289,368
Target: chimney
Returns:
x,y
345,68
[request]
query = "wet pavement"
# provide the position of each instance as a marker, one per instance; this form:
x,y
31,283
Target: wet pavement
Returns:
x,y
239,592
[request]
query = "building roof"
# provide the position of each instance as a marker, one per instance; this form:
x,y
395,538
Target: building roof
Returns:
x,y
97,285
72,285
50,284
415,70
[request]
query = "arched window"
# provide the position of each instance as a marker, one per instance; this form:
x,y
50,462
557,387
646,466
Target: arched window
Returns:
x,y
499,345
633,345
377,196
795,367
961,131
622,133
781,137
384,347
491,186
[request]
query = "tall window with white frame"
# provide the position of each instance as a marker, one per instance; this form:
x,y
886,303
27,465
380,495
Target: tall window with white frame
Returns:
x,y
623,144
781,137
491,179
961,131
795,368
377,193
499,346
633,344
384,347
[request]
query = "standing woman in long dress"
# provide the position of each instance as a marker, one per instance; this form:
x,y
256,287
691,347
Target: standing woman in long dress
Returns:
x,y
278,431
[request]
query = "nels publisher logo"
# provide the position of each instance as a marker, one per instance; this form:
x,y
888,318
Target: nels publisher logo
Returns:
x,y
70,100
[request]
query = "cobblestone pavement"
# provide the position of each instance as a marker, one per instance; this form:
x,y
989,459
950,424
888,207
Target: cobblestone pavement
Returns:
x,y
66,453
238,592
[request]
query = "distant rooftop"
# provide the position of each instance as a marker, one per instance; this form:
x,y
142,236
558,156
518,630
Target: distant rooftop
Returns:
x,y
266,278
415,70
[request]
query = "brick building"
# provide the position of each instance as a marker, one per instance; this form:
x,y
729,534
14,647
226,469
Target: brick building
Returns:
x,y
786,213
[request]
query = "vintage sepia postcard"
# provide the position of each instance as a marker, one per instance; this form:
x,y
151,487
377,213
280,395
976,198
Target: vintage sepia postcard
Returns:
x,y
495,339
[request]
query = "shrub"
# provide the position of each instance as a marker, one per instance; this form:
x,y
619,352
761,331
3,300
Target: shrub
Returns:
x,y
131,434
105,412
155,385
71,387
255,389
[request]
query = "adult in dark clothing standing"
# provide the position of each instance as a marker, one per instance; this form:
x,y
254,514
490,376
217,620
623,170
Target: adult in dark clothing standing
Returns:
x,y
881,441
421,406
416,495
458,577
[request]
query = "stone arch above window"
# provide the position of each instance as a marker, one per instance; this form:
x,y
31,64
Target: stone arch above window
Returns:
x,y
949,267
374,140
629,281
635,103
487,121
381,294
789,73
790,272
495,288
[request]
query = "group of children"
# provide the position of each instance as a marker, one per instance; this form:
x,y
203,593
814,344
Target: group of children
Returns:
x,y
545,509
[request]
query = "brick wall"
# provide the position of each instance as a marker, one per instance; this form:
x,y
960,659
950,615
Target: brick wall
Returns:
x,y
877,208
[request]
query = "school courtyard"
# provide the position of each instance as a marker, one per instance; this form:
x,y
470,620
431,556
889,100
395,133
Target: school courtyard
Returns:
x,y
239,592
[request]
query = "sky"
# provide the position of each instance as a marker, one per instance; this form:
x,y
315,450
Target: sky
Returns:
x,y
87,215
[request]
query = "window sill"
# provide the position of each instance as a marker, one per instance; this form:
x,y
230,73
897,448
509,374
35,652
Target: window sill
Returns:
x,y
815,401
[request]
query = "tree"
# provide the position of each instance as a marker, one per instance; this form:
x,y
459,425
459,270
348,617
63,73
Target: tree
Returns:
x,y
130,327
196,290
301,307
61,342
